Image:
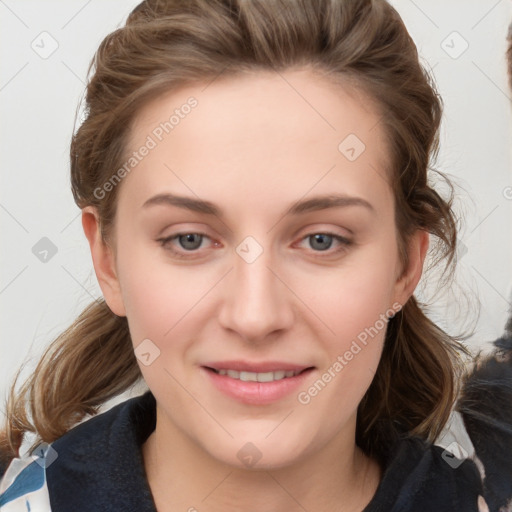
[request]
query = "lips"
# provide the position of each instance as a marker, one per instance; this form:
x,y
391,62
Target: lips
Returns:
x,y
256,388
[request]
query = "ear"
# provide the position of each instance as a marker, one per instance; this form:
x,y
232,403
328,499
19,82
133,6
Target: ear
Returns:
x,y
103,260
407,282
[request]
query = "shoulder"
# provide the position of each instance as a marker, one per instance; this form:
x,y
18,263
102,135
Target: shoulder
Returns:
x,y
127,419
97,465
100,465
418,474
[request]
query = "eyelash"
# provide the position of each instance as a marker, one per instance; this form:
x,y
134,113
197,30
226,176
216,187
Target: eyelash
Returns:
x,y
344,243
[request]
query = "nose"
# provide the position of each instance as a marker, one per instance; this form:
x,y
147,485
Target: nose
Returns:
x,y
257,301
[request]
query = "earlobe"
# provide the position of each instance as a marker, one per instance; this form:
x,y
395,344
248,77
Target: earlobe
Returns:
x,y
417,250
103,261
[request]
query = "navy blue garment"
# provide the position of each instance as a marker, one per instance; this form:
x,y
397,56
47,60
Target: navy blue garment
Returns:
x,y
100,468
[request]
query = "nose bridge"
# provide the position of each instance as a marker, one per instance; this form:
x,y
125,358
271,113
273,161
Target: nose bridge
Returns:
x,y
256,303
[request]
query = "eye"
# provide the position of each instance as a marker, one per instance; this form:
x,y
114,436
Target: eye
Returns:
x,y
188,242
322,242
180,244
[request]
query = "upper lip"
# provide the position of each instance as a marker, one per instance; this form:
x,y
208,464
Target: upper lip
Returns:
x,y
247,366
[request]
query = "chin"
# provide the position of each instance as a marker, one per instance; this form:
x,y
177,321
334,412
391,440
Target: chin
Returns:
x,y
256,455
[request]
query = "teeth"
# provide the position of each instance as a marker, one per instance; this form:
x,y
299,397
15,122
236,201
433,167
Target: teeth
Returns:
x,y
258,377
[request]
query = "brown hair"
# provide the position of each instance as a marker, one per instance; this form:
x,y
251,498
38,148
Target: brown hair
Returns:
x,y
165,44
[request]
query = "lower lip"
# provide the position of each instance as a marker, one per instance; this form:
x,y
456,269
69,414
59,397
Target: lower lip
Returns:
x,y
256,393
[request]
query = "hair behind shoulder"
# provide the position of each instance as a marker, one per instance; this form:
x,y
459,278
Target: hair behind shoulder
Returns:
x,y
165,44
89,363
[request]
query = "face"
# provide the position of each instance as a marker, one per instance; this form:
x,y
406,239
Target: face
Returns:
x,y
227,252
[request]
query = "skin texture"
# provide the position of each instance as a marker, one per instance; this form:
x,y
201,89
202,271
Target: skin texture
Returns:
x,y
254,145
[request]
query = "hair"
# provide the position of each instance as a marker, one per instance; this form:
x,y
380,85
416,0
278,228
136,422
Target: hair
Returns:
x,y
167,44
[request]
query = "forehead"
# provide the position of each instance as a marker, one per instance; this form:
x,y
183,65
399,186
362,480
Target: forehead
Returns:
x,y
264,136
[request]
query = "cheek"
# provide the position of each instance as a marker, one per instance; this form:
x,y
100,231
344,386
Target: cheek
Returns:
x,y
354,295
158,296
354,310
355,304
166,305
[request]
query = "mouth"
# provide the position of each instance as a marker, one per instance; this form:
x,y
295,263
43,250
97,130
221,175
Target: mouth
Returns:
x,y
248,376
257,388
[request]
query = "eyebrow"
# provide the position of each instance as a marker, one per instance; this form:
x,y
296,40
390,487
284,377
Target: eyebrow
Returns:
x,y
309,205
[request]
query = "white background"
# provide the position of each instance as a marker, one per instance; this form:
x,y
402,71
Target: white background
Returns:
x,y
39,96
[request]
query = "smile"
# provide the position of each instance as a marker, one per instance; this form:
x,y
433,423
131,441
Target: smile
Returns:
x,y
257,388
258,377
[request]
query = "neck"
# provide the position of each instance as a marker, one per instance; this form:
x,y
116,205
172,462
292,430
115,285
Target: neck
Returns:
x,y
182,476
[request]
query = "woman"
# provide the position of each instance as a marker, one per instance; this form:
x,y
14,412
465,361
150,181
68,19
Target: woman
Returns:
x,y
253,183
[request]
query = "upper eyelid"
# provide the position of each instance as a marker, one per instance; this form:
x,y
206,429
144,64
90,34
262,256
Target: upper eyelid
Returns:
x,y
307,232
